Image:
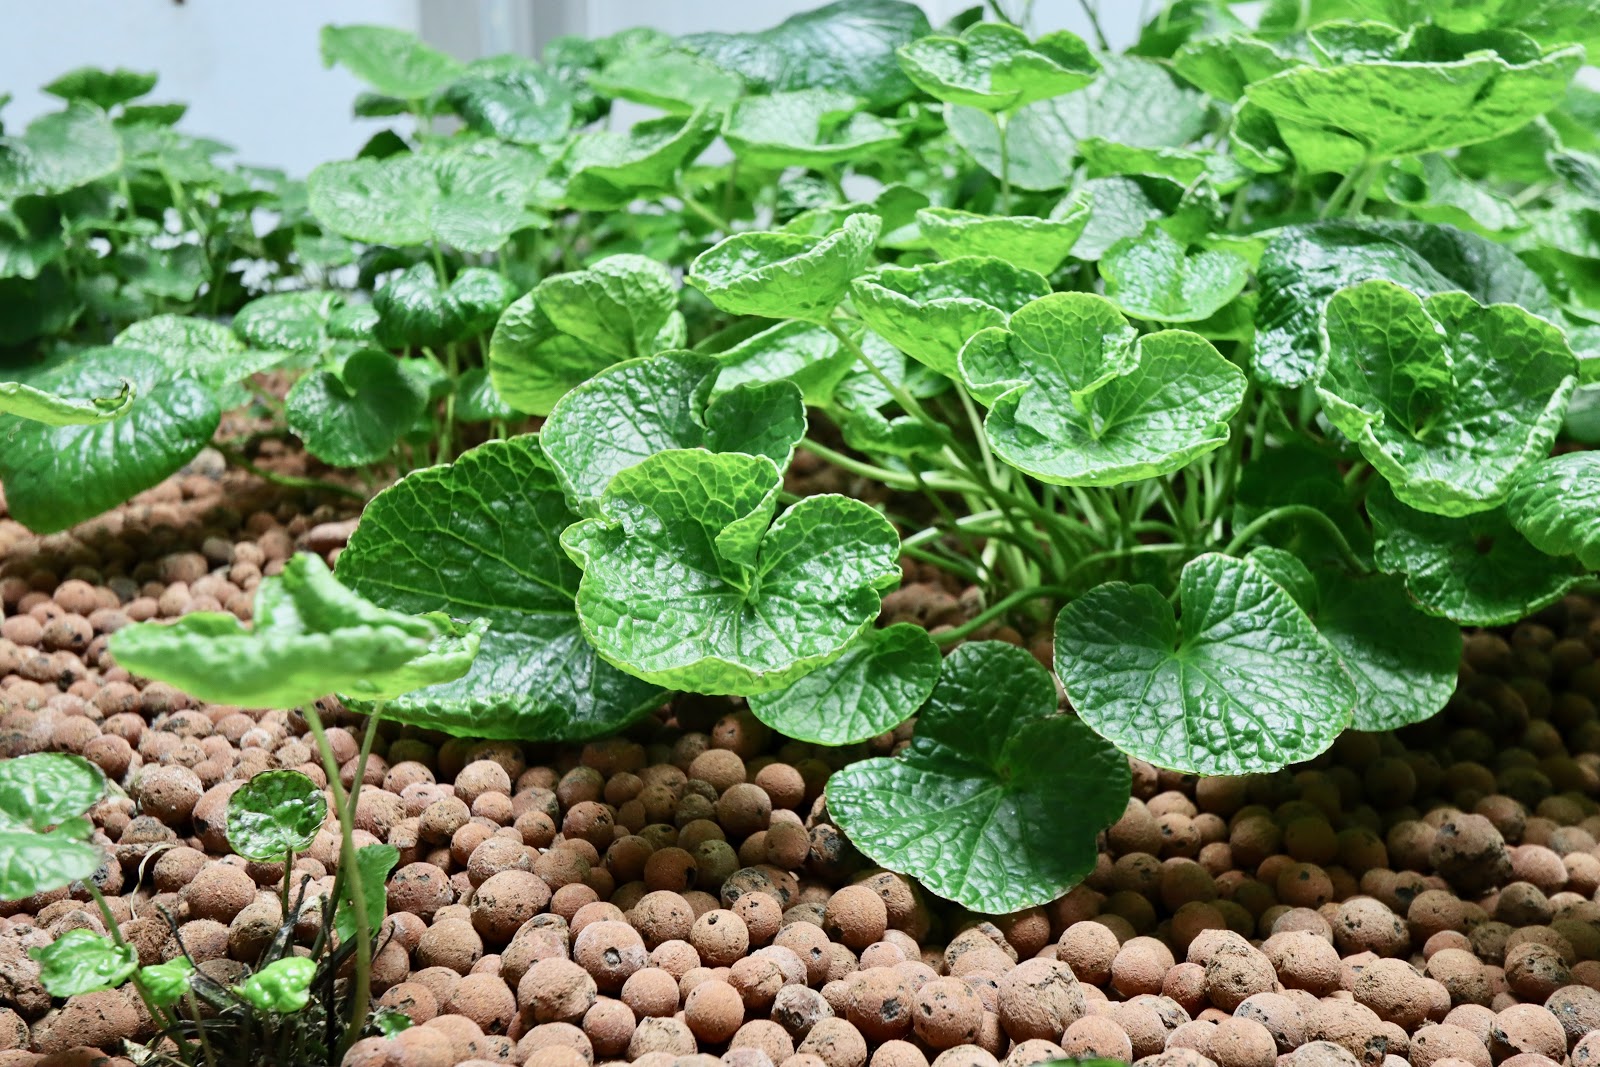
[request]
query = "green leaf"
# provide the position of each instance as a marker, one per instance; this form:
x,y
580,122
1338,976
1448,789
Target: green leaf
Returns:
x,y
479,539
1244,684
1076,398
375,862
1103,158
81,961
393,61
997,802
37,863
202,349
930,311
1298,473
573,325
993,66
1119,208
413,309
608,169
311,637
354,417
477,400
514,99
1133,102
56,476
1432,190
676,82
37,405
1154,277
847,46
1556,506
1225,66
1477,570
689,583
785,276
1403,662
1305,265
879,683
31,236
813,128
800,352
1446,398
165,983
60,151
283,986
277,812
631,411
293,322
41,790
104,89
1026,241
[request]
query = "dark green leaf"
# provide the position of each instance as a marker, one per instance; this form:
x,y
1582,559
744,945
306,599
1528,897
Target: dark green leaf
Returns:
x,y
515,99
1556,506
354,417
277,812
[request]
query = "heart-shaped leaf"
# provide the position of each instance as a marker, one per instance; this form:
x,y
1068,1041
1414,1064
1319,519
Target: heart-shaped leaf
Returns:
x,y
56,476
202,349
311,637
514,99
573,325
52,409
393,61
689,583
1026,241
998,800
993,66
812,128
478,401
629,412
1476,570
59,151
786,276
607,169
277,812
41,790
354,417
877,684
1244,684
1076,398
676,82
1154,277
1446,398
478,539
413,309
930,311
800,352
1556,506
290,322
82,961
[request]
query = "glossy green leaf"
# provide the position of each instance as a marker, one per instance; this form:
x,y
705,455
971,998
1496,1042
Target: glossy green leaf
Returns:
x,y
1026,241
1298,473
393,61
478,401
166,983
993,66
786,276
676,82
1244,683
355,416
283,986
847,46
998,800
311,637
1076,398
202,349
1477,570
1224,66
104,89
814,128
41,790
36,863
1119,208
1154,277
275,813
514,99
56,476
688,582
1556,506
608,169
82,961
930,311
573,325
631,411
293,322
1446,398
800,352
1431,189
413,309
879,683
479,539
375,863
59,151
52,409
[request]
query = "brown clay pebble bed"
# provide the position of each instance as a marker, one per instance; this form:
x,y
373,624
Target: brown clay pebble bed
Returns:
x,y
678,897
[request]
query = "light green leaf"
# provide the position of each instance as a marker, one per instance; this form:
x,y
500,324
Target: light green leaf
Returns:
x,y
393,61
60,151
1446,398
847,46
1154,277
1477,570
786,276
1119,207
998,800
479,539
82,961
993,66
1556,506
283,986
31,236
36,863
1026,241
37,405
165,983
689,583
608,169
1103,158
1076,398
277,812
375,862
812,128
56,476
800,352
1432,190
44,789
1244,684
676,82
354,417
930,311
514,99
879,683
631,411
311,637
104,89
1224,66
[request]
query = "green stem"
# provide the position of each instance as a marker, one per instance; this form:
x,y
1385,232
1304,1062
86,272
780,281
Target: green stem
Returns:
x,y
902,480
1000,124
1120,554
237,458
717,222
994,611
1297,511
200,1028
115,931
369,735
957,567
